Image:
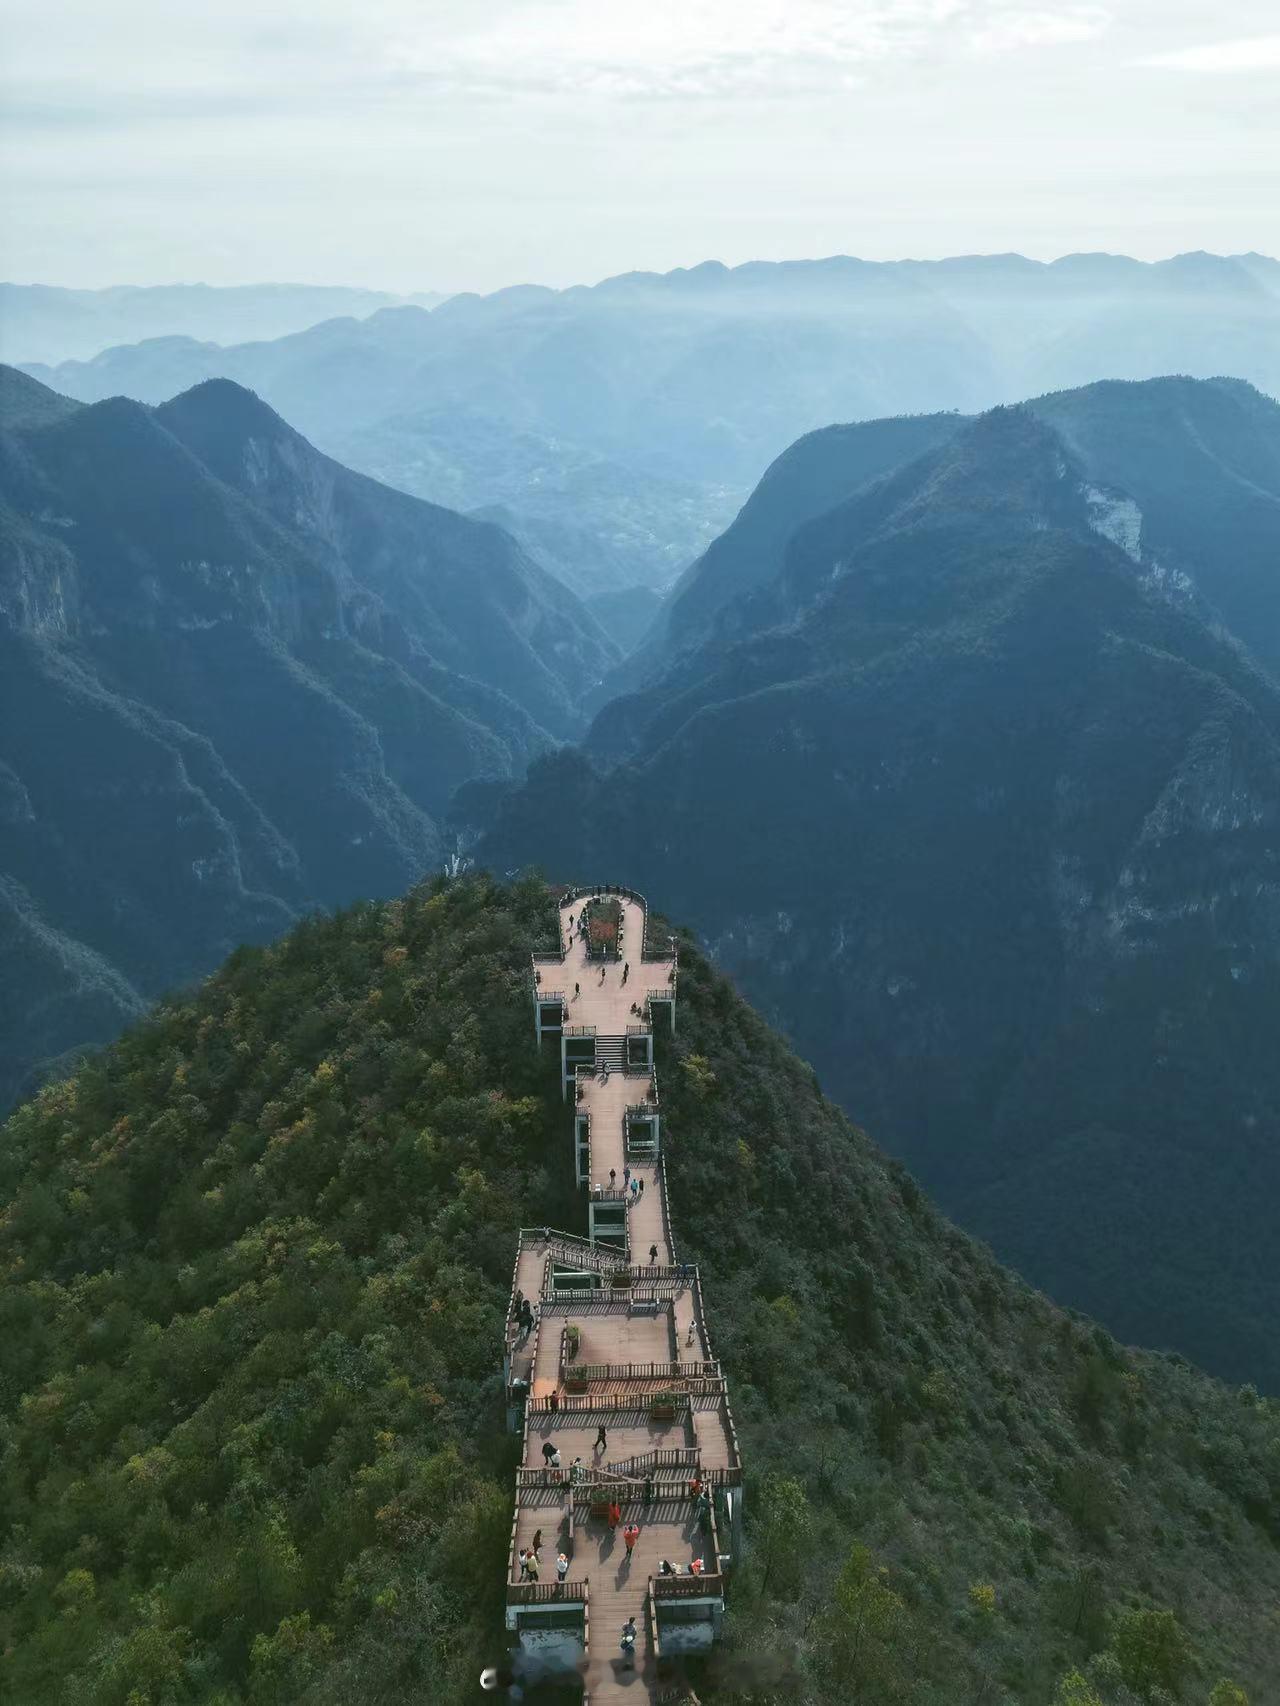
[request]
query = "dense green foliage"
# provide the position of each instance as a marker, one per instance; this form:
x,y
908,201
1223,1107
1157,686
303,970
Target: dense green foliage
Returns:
x,y
255,1261
984,811
958,1492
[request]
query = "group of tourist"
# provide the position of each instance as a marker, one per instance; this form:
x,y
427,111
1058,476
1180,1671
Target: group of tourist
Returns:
x,y
522,1315
531,1561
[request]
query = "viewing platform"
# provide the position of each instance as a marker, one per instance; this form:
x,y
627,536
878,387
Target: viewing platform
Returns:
x,y
611,1380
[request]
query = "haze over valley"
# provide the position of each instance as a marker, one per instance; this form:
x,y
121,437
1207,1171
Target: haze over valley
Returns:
x,y
640,853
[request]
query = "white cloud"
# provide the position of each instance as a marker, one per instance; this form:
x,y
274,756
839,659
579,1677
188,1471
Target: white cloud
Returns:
x,y
690,48
1248,53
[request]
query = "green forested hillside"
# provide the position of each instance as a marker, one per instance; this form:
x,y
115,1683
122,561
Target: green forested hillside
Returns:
x,y
255,1262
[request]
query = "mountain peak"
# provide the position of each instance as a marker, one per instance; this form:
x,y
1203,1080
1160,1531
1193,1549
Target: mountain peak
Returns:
x,y
25,402
218,420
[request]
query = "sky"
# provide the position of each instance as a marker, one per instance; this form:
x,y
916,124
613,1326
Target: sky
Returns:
x,y
469,144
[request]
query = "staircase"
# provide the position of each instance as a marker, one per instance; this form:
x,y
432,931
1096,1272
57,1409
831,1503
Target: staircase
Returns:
x,y
611,1052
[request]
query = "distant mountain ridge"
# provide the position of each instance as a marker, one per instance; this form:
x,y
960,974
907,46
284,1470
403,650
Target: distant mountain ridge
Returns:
x,y
238,681
49,323
979,795
693,382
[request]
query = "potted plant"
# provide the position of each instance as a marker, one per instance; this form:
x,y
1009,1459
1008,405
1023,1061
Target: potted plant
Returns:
x,y
620,1278
662,1406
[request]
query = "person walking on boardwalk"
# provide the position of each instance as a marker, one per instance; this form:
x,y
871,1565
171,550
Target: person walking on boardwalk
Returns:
x,y
615,1515
562,1567
548,1451
535,1545
630,1534
602,1439
577,990
553,1399
653,1255
642,1187
626,1177
628,1642
613,1178
648,1489
626,970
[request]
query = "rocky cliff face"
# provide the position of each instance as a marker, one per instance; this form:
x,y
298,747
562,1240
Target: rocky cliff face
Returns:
x,y
238,682
989,822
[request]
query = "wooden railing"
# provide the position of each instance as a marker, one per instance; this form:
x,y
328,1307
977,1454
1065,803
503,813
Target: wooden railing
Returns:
x,y
579,1252
709,1585
671,1371
548,1593
636,1403
669,1457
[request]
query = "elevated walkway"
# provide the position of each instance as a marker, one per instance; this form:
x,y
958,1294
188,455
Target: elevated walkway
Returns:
x,y
609,1367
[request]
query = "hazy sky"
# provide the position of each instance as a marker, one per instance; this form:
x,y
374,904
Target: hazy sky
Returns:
x,y
471,143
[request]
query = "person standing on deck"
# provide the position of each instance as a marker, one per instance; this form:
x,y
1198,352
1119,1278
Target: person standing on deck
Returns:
x,y
562,1567
602,1439
653,1255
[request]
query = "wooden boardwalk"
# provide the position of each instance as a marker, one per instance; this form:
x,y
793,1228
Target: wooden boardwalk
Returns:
x,y
642,1369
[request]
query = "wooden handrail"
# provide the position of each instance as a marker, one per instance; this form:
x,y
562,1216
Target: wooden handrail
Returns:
x,y
547,1593
709,1585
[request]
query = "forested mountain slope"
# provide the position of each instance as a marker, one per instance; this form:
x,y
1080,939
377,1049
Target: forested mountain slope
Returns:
x,y
236,681
629,420
979,800
256,1262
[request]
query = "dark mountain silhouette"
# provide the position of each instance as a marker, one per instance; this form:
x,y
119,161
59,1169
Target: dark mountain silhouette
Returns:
x,y
238,681
980,796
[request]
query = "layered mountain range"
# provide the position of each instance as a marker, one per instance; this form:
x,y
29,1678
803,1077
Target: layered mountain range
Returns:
x,y
237,682
620,426
964,758
45,322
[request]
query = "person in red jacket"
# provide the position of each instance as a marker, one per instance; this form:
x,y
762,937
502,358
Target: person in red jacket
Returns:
x,y
615,1514
631,1533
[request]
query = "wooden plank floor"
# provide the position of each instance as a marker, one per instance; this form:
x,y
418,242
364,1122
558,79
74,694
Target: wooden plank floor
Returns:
x,y
613,1334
